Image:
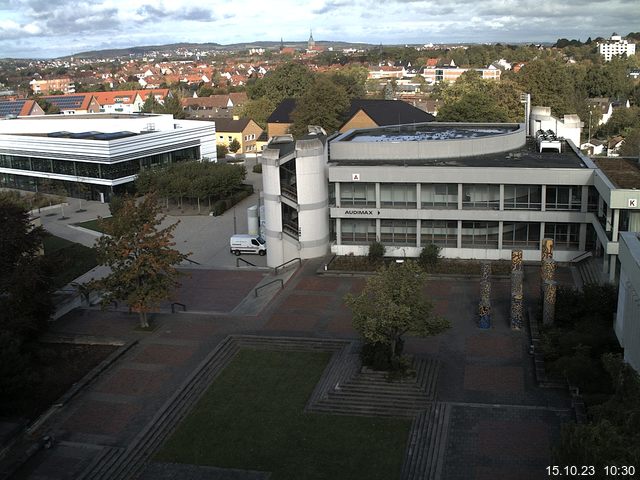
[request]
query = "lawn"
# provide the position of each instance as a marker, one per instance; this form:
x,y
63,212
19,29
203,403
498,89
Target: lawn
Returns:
x,y
252,418
93,224
72,259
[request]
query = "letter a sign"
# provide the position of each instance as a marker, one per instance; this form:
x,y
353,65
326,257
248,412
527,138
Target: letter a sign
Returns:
x,y
355,177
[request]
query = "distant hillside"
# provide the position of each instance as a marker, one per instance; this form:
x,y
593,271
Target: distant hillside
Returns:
x,y
142,50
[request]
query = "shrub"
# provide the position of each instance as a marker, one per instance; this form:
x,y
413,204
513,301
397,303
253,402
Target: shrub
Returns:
x,y
257,168
429,256
376,252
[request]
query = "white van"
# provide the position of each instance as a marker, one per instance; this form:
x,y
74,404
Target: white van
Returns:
x,y
244,243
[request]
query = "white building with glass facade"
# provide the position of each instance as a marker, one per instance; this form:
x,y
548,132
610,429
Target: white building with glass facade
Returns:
x,y
478,191
103,152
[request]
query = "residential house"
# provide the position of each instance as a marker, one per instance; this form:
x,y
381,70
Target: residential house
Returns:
x,y
244,130
75,103
451,74
593,147
45,87
19,108
602,104
214,106
363,113
616,46
613,146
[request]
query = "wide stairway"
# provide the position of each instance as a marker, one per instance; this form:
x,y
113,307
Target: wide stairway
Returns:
x,y
590,270
372,393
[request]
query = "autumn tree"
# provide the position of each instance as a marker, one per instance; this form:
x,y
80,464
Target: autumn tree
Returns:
x,y
141,255
234,146
392,304
258,110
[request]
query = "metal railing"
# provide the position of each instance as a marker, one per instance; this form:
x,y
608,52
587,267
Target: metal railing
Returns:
x,y
286,264
581,257
192,261
238,260
257,289
173,307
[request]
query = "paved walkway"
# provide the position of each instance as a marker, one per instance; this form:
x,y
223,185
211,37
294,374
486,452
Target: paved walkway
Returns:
x,y
501,424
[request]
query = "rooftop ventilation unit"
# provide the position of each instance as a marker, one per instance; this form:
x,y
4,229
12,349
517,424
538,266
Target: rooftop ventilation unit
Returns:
x,y
548,141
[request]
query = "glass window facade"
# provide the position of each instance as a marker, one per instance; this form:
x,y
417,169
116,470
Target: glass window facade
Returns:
x,y
357,194
520,235
398,195
522,197
476,196
563,198
439,195
443,233
480,235
398,232
565,235
357,231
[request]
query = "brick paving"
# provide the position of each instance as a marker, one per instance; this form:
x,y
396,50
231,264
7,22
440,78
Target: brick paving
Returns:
x,y
479,368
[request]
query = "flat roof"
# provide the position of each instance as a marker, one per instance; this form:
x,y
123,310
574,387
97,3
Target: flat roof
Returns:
x,y
63,117
526,156
426,132
622,172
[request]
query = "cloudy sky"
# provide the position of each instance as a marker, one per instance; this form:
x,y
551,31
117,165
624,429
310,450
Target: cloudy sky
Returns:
x,y
50,28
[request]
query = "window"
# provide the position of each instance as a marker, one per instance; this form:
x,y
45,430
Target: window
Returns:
x,y
439,232
564,235
521,235
398,232
563,198
357,231
398,195
481,196
439,195
357,194
522,197
480,234
41,164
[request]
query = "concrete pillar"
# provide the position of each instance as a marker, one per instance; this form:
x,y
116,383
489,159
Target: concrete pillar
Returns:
x,y
616,225
582,237
517,316
500,232
418,196
543,198
459,240
484,307
608,223
549,302
337,193
338,231
501,197
612,268
377,195
378,232
460,190
418,239
584,203
272,206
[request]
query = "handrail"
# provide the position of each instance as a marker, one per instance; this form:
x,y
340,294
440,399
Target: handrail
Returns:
x,y
238,260
192,261
285,264
266,284
581,257
173,307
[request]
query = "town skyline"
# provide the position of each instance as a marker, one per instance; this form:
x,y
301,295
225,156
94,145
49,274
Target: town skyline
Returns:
x,y
39,29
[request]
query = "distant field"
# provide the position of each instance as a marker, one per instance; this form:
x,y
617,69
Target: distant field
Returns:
x,y
252,418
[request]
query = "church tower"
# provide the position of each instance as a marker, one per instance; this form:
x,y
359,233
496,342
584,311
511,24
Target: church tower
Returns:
x,y
311,43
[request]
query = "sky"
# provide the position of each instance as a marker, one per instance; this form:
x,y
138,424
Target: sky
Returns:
x,y
52,28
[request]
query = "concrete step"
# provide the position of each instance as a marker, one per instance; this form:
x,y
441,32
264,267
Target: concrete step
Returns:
x,y
365,410
427,443
391,401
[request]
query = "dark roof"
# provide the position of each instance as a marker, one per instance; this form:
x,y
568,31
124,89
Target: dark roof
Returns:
x,y
383,112
282,113
65,102
389,112
229,124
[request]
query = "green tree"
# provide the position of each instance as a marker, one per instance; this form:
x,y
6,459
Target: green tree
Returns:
x,y
550,85
352,79
234,146
173,105
324,103
221,150
631,145
429,256
151,105
141,256
392,304
258,110
473,107
288,80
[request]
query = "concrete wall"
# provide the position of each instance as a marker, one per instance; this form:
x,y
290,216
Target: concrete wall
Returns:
x,y
627,323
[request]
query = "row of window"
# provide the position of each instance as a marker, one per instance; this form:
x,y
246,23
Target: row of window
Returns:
x,y
445,233
476,196
108,171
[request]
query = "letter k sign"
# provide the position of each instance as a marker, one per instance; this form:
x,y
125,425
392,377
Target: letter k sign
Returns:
x,y
633,203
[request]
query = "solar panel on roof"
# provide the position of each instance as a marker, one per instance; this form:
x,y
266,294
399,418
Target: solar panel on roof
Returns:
x,y
11,108
80,135
74,101
114,135
58,134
